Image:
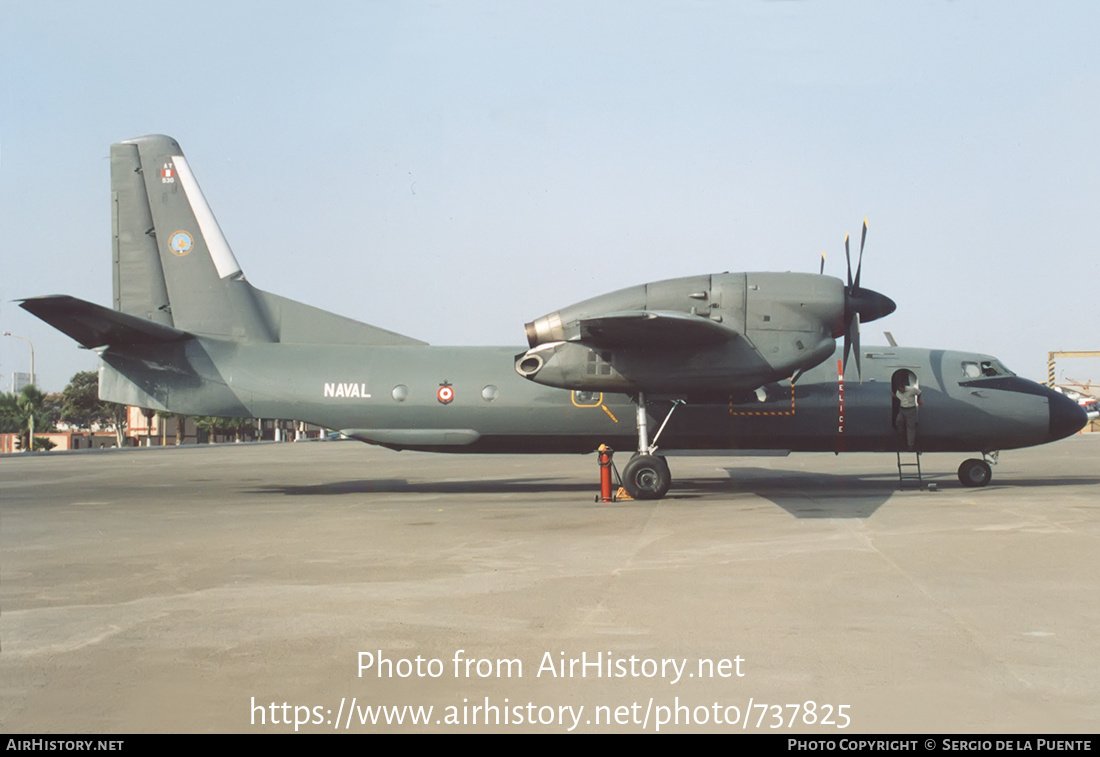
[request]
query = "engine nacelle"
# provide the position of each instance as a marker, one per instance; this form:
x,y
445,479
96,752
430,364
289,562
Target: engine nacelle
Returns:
x,y
716,333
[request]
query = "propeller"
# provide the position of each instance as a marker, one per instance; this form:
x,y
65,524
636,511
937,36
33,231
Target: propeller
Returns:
x,y
860,305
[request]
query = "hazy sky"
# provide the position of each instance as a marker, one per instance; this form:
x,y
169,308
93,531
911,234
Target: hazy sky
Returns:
x,y
451,170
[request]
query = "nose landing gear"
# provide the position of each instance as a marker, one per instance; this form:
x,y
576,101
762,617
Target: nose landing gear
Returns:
x,y
974,472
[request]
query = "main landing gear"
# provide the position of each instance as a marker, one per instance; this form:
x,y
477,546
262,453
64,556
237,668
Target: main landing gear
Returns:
x,y
647,476
974,472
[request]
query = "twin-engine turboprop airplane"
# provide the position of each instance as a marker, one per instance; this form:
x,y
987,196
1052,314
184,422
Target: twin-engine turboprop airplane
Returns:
x,y
727,362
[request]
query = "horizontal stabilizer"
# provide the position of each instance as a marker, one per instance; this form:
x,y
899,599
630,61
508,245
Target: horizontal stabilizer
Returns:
x,y
96,326
653,329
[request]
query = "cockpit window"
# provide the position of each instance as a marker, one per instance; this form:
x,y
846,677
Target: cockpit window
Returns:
x,y
986,368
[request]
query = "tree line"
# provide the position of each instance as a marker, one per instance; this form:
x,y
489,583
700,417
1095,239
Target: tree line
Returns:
x,y
80,408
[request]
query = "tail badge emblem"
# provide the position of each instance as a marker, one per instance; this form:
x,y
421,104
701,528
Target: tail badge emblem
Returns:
x,y
180,242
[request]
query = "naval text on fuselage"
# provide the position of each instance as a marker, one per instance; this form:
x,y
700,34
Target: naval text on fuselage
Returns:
x,y
551,665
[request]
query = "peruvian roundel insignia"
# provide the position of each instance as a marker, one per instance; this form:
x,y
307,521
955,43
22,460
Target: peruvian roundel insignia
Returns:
x,y
445,394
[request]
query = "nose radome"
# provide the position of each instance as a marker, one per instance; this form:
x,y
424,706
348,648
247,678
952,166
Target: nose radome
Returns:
x,y
1066,417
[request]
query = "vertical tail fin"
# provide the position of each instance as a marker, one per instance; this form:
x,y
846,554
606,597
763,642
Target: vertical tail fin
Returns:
x,y
138,279
172,263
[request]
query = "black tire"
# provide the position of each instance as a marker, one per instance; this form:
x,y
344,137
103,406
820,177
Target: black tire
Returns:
x,y
647,477
975,472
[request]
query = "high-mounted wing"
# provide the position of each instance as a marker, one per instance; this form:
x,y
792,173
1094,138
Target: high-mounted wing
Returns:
x,y
712,334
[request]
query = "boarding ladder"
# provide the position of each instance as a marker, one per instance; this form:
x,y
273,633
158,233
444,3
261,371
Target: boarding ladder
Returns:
x,y
909,469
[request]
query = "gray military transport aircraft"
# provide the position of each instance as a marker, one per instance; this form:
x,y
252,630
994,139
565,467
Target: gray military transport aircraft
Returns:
x,y
724,362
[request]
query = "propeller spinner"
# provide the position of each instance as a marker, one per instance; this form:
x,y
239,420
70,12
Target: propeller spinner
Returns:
x,y
860,305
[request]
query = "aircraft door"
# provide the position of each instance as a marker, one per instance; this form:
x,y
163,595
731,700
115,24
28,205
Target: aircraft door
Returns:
x,y
904,383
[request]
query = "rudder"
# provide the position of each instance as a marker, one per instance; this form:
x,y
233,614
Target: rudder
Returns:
x,y
138,278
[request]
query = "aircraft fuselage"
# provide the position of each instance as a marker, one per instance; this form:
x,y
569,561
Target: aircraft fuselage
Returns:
x,y
469,399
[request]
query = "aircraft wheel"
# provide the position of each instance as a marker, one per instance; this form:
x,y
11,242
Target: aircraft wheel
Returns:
x,y
975,472
647,477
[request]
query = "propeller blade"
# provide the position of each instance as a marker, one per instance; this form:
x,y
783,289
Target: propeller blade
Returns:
x,y
862,241
847,344
848,256
851,342
855,344
822,271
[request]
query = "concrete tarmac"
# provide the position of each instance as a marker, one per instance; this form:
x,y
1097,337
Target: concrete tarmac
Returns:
x,y
242,588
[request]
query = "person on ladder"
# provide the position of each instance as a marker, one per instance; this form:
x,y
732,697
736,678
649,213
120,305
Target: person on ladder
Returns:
x,y
906,421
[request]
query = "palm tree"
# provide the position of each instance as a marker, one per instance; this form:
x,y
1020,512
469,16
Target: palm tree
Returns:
x,y
207,424
9,413
164,416
240,427
31,414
